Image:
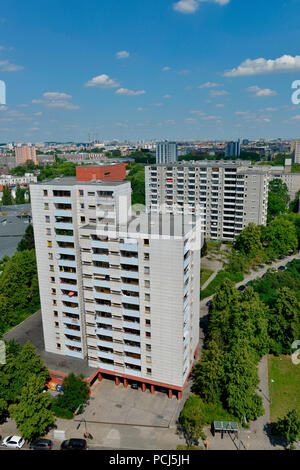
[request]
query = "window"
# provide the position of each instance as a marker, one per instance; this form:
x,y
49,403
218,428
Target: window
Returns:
x,y
50,255
52,279
148,347
147,283
46,206
148,334
148,358
82,219
56,324
148,322
55,313
58,346
147,297
45,192
146,242
147,310
80,192
48,231
146,270
53,291
149,371
47,219
146,256
49,243
54,302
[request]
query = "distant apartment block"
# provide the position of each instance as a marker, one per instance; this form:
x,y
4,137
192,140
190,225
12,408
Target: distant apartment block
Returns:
x,y
24,153
13,180
166,152
121,292
295,151
114,172
233,149
227,195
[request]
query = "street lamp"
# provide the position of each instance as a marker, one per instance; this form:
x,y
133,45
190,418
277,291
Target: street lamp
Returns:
x,y
272,381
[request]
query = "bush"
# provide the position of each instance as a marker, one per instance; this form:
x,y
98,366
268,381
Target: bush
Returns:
x,y
61,412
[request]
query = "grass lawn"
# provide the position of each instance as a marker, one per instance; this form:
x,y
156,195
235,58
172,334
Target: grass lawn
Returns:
x,y
285,390
204,275
212,286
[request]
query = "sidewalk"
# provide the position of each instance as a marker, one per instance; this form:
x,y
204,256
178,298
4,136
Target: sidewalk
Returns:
x,y
256,274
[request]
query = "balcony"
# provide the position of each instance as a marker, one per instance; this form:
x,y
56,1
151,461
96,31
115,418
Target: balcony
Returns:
x,y
70,331
72,342
130,300
129,287
71,321
132,349
105,355
132,337
102,295
104,320
66,262
104,332
67,298
62,213
71,353
102,283
65,251
132,260
70,287
62,200
129,274
70,309
132,360
64,238
103,258
103,308
99,244
129,247
129,324
104,271
131,313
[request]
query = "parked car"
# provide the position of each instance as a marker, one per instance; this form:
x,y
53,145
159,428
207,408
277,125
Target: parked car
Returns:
x,y
282,257
41,444
241,288
208,304
74,444
14,442
261,266
134,386
281,268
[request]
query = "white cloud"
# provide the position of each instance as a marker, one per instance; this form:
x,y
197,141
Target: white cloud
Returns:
x,y
102,81
167,97
122,55
191,6
166,69
216,93
197,111
295,118
125,91
285,63
56,95
62,104
261,92
210,85
6,66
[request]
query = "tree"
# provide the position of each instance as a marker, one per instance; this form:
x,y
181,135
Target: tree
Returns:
x,y
7,199
226,295
242,381
289,426
278,198
193,420
208,373
280,237
249,240
20,195
74,396
33,414
27,242
284,321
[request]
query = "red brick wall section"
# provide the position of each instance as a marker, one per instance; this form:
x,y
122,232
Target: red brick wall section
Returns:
x,y
104,173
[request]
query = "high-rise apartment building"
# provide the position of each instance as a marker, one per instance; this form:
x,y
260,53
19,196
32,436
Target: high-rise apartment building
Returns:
x,y
166,152
227,195
24,153
295,151
233,149
121,292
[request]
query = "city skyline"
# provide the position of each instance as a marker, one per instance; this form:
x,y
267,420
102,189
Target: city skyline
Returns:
x,y
151,71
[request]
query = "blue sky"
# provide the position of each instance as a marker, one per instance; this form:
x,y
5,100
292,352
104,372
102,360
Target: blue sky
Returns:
x,y
133,69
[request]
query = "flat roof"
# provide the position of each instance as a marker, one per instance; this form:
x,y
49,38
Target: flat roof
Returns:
x,y
173,225
71,181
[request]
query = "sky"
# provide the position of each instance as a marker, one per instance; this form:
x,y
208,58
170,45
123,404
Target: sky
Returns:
x,y
141,70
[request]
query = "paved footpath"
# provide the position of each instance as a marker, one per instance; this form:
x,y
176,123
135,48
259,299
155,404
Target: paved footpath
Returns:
x,y
259,273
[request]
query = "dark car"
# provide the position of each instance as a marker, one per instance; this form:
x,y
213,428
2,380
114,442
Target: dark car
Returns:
x,y
241,288
41,444
134,386
74,444
208,304
248,283
281,268
281,257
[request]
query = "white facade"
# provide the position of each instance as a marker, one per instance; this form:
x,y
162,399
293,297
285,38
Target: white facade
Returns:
x,y
125,300
12,180
227,195
166,152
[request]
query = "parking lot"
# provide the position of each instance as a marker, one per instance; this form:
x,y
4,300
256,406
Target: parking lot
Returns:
x,y
115,404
